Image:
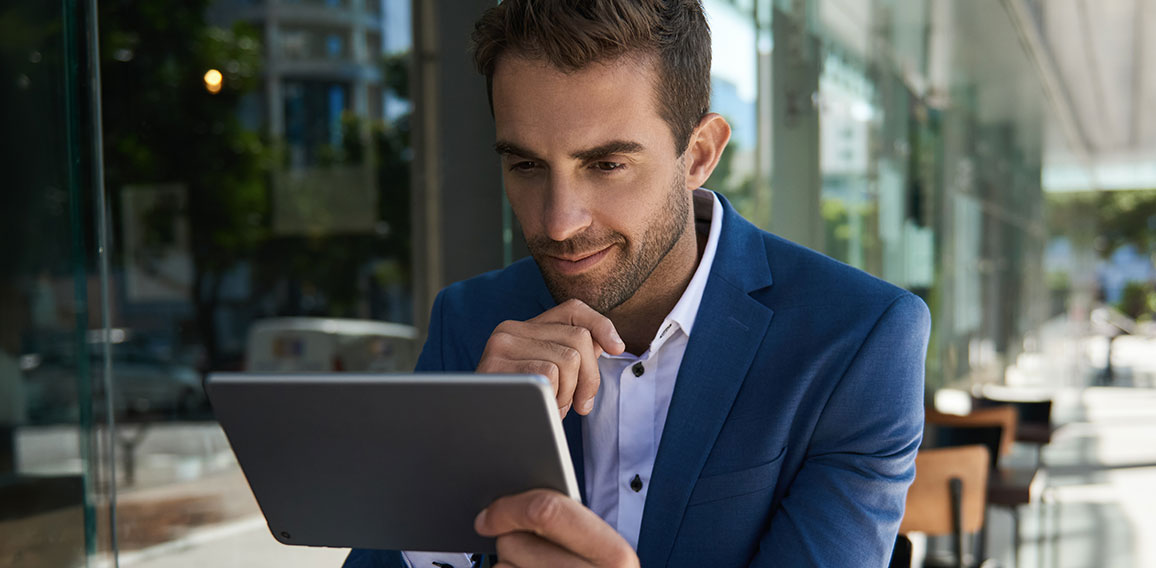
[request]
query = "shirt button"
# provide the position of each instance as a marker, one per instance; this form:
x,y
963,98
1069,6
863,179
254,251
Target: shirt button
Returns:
x,y
638,369
636,483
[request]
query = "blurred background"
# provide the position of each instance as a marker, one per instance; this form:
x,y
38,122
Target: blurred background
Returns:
x,y
204,185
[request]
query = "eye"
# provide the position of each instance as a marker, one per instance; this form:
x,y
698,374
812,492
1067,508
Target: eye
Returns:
x,y
608,166
524,166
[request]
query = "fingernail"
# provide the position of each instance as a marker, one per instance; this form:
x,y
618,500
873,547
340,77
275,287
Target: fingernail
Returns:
x,y
562,411
587,406
480,520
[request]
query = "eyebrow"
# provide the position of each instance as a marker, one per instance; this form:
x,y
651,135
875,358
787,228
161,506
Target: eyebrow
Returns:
x,y
607,149
590,154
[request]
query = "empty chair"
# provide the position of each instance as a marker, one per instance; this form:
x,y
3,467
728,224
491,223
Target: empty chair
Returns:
x,y
1003,416
1034,420
948,497
994,428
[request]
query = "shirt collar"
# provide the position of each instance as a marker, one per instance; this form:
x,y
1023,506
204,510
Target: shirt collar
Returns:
x,y
708,211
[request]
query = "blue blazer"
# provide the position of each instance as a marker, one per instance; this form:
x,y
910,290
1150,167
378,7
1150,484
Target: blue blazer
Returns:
x,y
795,418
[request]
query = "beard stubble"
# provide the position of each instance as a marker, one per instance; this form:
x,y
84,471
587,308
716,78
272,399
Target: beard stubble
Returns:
x,y
638,260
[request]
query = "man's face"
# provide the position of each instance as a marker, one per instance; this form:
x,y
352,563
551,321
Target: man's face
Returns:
x,y
591,173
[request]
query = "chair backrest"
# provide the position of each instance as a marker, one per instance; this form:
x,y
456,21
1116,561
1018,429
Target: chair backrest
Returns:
x,y
1035,416
943,436
929,507
1003,416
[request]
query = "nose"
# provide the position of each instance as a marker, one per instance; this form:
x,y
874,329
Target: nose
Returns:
x,y
567,212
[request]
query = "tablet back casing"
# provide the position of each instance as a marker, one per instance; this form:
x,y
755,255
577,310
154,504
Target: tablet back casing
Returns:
x,y
400,462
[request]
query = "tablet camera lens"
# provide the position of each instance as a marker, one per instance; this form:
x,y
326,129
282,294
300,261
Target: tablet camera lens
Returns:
x,y
285,534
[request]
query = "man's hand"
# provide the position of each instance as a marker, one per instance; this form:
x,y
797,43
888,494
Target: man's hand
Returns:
x,y
546,528
562,344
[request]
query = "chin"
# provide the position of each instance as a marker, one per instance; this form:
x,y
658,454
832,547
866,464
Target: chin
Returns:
x,y
586,293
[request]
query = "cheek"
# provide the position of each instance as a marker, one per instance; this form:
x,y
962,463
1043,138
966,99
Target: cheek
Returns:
x,y
524,203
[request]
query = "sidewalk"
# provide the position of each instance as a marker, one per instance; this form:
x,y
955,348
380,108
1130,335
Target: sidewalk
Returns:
x,y
218,523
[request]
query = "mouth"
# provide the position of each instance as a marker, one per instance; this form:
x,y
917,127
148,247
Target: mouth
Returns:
x,y
576,264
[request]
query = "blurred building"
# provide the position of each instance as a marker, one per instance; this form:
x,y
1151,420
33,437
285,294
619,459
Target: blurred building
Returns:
x,y
322,58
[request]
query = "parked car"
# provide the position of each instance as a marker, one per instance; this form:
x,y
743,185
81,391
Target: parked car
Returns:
x,y
145,382
305,344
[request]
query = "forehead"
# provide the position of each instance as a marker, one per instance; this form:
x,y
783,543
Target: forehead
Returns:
x,y
548,109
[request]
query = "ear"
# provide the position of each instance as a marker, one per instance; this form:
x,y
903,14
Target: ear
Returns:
x,y
706,146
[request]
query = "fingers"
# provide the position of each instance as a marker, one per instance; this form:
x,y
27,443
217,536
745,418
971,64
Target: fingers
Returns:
x,y
577,313
563,344
513,348
519,549
580,388
560,520
530,347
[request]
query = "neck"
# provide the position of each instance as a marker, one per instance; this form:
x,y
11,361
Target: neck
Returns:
x,y
637,319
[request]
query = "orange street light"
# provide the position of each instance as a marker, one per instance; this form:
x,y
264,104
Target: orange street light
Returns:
x,y
213,81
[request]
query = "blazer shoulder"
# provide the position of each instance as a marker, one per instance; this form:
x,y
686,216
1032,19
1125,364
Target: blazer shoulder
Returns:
x,y
513,289
465,313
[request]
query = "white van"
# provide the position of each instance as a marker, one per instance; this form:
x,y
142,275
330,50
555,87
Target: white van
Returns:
x,y
330,344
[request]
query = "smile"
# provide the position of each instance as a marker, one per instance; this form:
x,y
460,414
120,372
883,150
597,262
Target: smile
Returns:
x,y
579,263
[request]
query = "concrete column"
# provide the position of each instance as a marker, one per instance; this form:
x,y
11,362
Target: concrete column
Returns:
x,y
274,98
457,193
796,183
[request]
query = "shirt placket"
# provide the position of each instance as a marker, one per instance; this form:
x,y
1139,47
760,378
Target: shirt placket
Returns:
x,y
635,443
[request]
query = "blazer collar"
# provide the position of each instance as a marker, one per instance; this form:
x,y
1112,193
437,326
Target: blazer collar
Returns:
x,y
727,336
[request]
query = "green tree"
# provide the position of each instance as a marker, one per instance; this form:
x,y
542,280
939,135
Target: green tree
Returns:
x,y
1117,217
162,125
331,264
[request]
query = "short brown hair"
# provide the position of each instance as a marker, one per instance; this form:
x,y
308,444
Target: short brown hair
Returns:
x,y
571,34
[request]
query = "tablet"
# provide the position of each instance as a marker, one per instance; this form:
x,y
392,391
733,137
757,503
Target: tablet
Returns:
x,y
399,462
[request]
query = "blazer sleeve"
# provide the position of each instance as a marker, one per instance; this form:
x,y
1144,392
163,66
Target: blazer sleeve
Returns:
x,y
375,559
845,504
432,356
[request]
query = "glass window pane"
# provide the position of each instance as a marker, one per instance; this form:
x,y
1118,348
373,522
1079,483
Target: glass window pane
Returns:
x,y
258,167
51,500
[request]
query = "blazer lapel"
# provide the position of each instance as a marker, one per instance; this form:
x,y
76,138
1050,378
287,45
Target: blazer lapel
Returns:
x,y
572,425
726,337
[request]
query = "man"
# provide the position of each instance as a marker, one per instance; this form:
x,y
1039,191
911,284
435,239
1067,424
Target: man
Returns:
x,y
730,398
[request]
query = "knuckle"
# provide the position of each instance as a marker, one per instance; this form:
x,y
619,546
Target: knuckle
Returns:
x,y
543,509
581,334
547,368
505,326
501,339
594,382
571,355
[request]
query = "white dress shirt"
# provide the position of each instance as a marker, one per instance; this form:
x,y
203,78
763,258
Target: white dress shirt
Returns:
x,y
620,436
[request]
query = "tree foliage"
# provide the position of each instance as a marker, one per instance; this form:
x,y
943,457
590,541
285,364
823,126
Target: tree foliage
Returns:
x,y
1112,218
